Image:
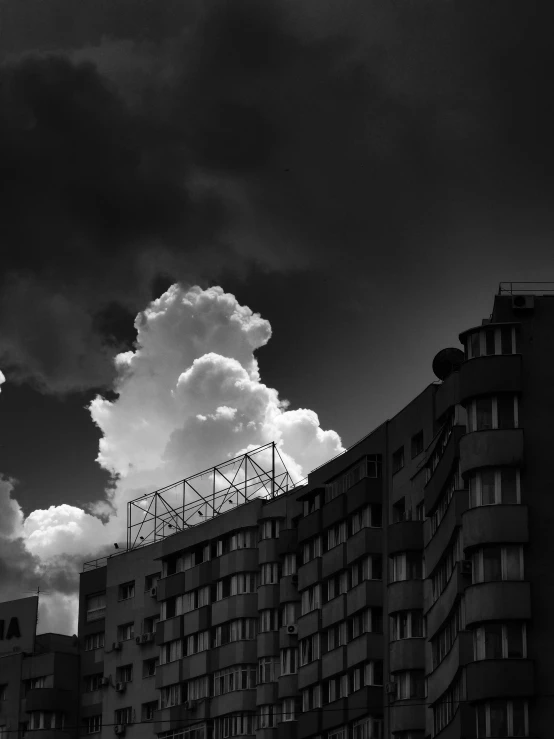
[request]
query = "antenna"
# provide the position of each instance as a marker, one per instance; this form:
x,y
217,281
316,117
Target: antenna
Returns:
x,y
38,592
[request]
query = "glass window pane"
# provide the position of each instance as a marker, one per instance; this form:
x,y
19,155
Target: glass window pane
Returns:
x,y
489,341
475,344
508,485
483,414
506,418
518,718
487,487
514,639
481,720
513,563
473,490
499,718
492,569
506,340
493,641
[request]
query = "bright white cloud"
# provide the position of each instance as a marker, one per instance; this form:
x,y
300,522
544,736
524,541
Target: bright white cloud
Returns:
x,y
189,396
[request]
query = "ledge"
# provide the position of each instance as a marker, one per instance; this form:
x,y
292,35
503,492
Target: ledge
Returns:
x,y
500,678
438,543
405,536
439,478
496,373
495,524
405,595
407,654
498,601
460,654
491,448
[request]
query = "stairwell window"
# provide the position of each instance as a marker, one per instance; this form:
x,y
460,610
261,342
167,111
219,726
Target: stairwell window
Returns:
x,y
407,625
406,566
417,444
494,485
493,412
495,563
500,641
445,708
501,718
443,641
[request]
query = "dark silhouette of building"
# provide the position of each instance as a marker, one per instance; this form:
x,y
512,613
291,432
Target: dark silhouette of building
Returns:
x,y
402,592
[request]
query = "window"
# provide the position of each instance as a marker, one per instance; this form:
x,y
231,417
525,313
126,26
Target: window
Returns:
x,y
289,614
312,504
366,621
237,630
417,444
93,724
268,670
443,572
406,566
94,641
309,649
369,567
410,684
123,716
289,661
407,625
185,603
336,585
493,412
149,625
443,640
46,720
127,590
126,632
340,732
150,581
269,573
3,692
171,695
337,535
445,708
234,724
311,599
288,709
335,688
36,683
267,716
368,728
369,466
398,460
500,641
311,698
269,620
373,672
311,549
196,731
171,651
92,682
370,516
269,529
453,483
501,718
149,667
196,689
243,539
337,636
289,564
238,677
147,710
420,511
492,340
399,511
198,642
498,563
245,582
491,486
124,674
96,606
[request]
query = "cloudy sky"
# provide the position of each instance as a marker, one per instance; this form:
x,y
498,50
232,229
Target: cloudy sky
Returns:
x,y
230,221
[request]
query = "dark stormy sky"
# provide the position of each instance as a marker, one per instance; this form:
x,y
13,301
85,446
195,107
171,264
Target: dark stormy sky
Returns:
x,y
360,173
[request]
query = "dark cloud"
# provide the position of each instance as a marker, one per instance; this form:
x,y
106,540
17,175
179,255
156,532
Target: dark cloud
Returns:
x,y
289,134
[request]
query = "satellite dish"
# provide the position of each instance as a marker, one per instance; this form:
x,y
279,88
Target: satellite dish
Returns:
x,y
447,361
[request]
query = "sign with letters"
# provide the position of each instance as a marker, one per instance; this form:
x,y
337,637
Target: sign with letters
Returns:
x,y
18,624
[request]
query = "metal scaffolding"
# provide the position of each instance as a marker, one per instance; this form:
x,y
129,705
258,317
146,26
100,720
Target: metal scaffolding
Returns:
x,y
260,473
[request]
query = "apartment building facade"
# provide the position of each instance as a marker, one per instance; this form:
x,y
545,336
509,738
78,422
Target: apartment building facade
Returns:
x,y
402,592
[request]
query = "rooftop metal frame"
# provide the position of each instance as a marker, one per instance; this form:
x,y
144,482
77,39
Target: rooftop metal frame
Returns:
x,y
526,288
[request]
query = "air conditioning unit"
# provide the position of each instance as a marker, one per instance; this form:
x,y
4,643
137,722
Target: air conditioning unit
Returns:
x,y
119,729
120,687
146,638
187,705
153,592
104,681
391,689
465,567
117,646
138,639
523,302
292,629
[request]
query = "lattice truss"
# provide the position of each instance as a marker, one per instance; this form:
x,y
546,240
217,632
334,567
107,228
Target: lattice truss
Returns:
x,y
259,473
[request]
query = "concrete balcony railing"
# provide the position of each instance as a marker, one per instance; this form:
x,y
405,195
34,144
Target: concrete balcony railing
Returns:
x,y
438,543
408,715
407,654
405,536
497,601
491,448
500,678
489,375
443,470
495,524
461,653
405,595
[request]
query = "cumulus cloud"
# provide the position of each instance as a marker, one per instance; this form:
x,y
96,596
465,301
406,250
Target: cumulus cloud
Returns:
x,y
189,396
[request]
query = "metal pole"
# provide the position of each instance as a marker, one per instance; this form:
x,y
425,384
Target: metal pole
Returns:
x,y
245,476
213,496
273,469
155,514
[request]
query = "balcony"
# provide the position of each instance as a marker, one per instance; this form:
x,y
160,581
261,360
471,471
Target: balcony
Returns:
x,y
268,551
170,629
365,647
236,606
309,574
266,693
333,611
268,597
309,526
407,715
405,595
407,654
447,395
237,700
169,674
168,587
405,536
367,593
268,643
500,678
439,477
333,662
495,524
288,589
48,699
366,700
491,448
367,540
288,686
309,623
333,561
498,601
309,674
489,375
461,653
437,544
437,612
